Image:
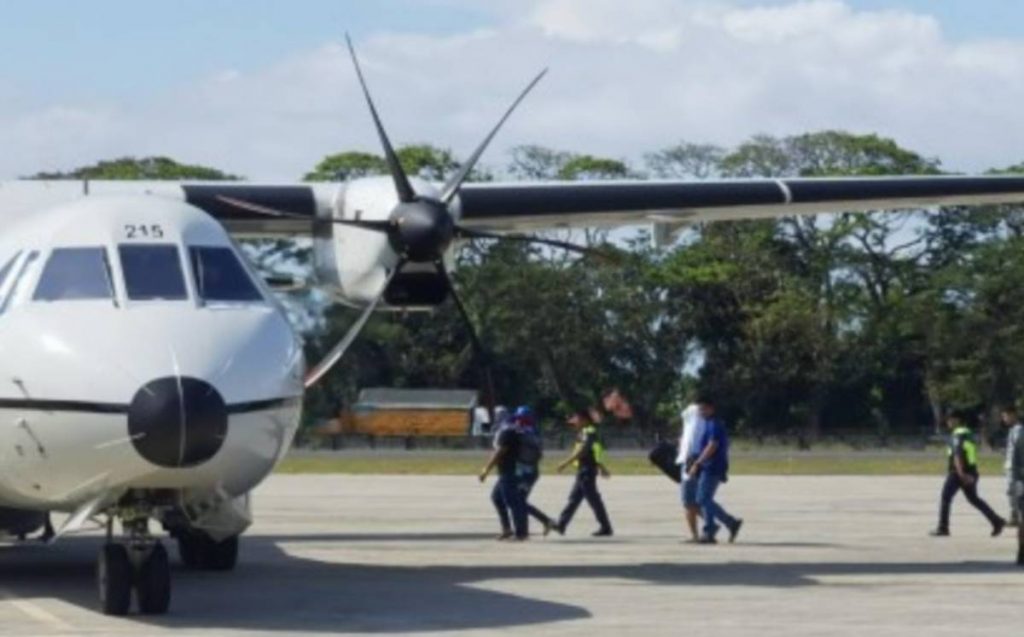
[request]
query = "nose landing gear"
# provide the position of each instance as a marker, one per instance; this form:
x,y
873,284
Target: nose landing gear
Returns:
x,y
137,562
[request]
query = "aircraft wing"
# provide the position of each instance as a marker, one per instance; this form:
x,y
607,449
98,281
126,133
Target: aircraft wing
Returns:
x,y
574,204
521,206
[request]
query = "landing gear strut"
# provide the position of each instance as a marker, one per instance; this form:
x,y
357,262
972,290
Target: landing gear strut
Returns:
x,y
137,562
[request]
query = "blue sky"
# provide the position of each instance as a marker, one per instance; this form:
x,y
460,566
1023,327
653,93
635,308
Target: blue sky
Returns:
x,y
61,48
57,47
259,87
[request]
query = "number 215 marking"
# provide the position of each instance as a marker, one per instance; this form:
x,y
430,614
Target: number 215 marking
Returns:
x,y
143,231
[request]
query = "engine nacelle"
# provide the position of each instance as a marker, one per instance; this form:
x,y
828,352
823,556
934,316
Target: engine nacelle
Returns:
x,y
354,263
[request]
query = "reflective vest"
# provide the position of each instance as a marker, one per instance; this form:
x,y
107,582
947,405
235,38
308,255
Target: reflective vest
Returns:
x,y
595,455
963,439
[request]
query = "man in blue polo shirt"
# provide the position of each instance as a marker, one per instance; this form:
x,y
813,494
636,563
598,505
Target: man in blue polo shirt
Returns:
x,y
711,469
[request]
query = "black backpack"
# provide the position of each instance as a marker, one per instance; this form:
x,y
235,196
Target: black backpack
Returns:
x,y
531,448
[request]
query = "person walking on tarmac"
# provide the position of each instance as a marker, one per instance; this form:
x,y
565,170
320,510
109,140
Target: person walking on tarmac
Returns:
x,y
588,457
962,475
710,469
506,496
531,451
1014,465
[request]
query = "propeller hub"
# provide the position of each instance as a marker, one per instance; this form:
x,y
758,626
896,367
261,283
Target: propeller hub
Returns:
x,y
421,230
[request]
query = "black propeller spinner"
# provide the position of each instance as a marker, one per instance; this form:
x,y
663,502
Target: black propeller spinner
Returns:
x,y
420,229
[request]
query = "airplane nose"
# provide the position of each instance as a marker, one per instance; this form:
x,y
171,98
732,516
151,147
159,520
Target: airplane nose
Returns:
x,y
177,422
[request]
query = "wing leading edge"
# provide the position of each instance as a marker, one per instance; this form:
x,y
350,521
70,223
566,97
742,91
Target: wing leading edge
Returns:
x,y
534,206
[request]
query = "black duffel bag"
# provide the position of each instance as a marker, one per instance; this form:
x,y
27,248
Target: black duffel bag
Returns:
x,y
664,456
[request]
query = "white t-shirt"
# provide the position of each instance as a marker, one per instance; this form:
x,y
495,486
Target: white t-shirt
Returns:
x,y
693,426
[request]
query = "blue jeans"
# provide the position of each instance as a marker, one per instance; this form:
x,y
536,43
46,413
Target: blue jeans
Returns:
x,y
711,511
508,498
527,480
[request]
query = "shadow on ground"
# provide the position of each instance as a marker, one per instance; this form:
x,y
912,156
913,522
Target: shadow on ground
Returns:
x,y
272,590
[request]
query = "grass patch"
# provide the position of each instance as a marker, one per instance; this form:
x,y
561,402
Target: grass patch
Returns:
x,y
809,463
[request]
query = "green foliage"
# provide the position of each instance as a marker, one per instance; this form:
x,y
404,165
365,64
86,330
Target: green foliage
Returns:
x,y
146,168
418,160
349,165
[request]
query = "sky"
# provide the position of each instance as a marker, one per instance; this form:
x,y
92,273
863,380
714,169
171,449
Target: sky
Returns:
x,y
263,88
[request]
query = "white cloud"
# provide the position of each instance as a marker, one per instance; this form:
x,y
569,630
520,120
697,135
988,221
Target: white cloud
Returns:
x,y
626,78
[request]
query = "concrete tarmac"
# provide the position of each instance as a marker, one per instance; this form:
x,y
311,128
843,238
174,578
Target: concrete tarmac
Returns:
x,y
401,555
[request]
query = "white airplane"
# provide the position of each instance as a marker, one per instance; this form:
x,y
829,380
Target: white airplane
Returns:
x,y
147,374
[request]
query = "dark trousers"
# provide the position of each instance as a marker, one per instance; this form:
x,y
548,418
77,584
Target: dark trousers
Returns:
x,y
585,488
526,484
510,504
949,491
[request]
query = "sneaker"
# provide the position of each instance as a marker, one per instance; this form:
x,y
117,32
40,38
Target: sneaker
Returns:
x,y
997,528
505,535
560,528
548,527
521,538
602,533
707,539
939,533
734,530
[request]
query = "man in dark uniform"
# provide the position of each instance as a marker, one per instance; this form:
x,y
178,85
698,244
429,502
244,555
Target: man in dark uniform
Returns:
x,y
531,451
507,497
962,475
588,457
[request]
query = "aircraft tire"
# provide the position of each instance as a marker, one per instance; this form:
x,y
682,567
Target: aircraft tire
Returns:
x,y
153,582
190,549
114,577
220,556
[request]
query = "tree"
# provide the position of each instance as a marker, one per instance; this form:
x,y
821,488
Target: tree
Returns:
x,y
145,168
537,163
589,168
686,160
347,165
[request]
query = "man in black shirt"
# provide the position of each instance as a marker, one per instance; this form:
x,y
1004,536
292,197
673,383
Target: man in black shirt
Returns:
x,y
507,497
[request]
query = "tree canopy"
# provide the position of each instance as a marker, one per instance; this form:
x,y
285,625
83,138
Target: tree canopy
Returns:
x,y
803,327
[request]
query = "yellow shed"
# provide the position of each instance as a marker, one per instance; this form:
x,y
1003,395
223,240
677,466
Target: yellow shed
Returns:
x,y
411,412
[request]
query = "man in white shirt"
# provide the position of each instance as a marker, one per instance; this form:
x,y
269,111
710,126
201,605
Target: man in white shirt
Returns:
x,y
692,431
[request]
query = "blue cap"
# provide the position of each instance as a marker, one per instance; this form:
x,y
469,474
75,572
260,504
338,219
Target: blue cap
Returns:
x,y
522,411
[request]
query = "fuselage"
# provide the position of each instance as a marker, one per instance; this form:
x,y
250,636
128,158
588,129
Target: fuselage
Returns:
x,y
138,351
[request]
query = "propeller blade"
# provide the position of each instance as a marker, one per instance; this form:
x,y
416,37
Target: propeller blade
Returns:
x,y
378,226
402,185
466,233
455,182
332,357
483,359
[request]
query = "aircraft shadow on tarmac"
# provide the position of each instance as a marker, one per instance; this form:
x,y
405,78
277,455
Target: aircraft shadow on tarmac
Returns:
x,y
272,590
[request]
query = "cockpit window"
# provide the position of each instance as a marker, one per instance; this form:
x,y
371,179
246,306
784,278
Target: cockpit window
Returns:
x,y
73,274
7,267
220,277
152,272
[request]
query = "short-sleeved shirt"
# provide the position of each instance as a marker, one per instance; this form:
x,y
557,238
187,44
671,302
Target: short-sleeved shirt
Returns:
x,y
713,431
693,426
508,442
